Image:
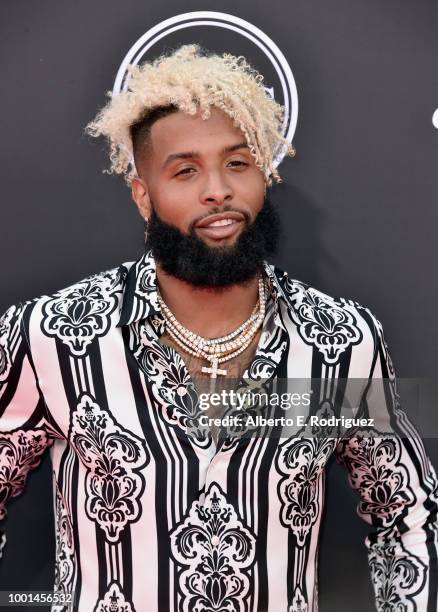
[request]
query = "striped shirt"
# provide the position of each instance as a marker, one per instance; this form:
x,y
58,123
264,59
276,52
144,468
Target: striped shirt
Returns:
x,y
150,513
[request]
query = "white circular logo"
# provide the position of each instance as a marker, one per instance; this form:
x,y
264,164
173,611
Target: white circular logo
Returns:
x,y
228,22
435,119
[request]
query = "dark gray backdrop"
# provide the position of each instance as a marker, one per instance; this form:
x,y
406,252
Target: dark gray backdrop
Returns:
x,y
358,201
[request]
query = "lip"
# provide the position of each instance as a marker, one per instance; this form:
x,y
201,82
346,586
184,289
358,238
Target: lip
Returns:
x,y
225,215
222,231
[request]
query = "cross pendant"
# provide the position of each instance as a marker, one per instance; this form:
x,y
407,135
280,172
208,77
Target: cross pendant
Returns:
x,y
214,370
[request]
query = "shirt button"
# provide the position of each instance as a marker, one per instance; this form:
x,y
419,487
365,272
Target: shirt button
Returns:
x,y
215,540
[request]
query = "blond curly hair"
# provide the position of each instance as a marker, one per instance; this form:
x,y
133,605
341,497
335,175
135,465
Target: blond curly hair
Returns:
x,y
193,80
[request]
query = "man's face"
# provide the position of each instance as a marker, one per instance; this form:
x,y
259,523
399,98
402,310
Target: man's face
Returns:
x,y
196,169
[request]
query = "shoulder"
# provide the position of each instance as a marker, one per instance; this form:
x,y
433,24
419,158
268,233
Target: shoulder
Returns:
x,y
92,289
298,293
75,314
334,323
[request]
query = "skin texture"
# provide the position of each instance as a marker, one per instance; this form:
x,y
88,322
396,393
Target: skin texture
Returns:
x,y
186,190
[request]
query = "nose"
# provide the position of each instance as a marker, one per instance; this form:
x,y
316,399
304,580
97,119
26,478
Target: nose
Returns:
x,y
216,190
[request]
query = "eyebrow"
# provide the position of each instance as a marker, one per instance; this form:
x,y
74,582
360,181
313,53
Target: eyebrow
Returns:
x,y
190,154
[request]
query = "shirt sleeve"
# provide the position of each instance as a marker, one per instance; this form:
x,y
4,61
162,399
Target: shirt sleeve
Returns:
x,y
388,466
24,435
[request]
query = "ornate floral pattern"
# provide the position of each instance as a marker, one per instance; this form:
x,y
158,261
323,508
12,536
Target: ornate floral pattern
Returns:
x,y
300,461
113,457
80,313
20,452
114,601
217,550
65,555
375,470
397,576
321,320
171,386
271,347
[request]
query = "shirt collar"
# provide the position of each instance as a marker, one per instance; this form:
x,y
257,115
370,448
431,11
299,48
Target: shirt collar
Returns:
x,y
140,291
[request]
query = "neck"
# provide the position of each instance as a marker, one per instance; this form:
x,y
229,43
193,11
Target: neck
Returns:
x,y
209,312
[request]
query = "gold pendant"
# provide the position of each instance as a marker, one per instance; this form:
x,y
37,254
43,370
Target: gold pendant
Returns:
x,y
214,370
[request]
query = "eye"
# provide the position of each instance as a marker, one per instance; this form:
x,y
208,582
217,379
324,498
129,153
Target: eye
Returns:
x,y
184,171
238,162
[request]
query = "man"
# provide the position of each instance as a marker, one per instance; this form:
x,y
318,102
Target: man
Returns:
x,y
153,510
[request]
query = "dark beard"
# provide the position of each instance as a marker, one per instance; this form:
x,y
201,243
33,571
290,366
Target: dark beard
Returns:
x,y
189,258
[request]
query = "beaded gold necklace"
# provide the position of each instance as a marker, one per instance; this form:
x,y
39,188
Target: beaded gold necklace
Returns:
x,y
216,350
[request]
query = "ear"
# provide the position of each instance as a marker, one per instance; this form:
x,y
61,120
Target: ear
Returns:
x,y
140,195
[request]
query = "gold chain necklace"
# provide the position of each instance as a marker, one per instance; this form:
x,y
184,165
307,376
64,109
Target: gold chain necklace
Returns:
x,y
216,350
